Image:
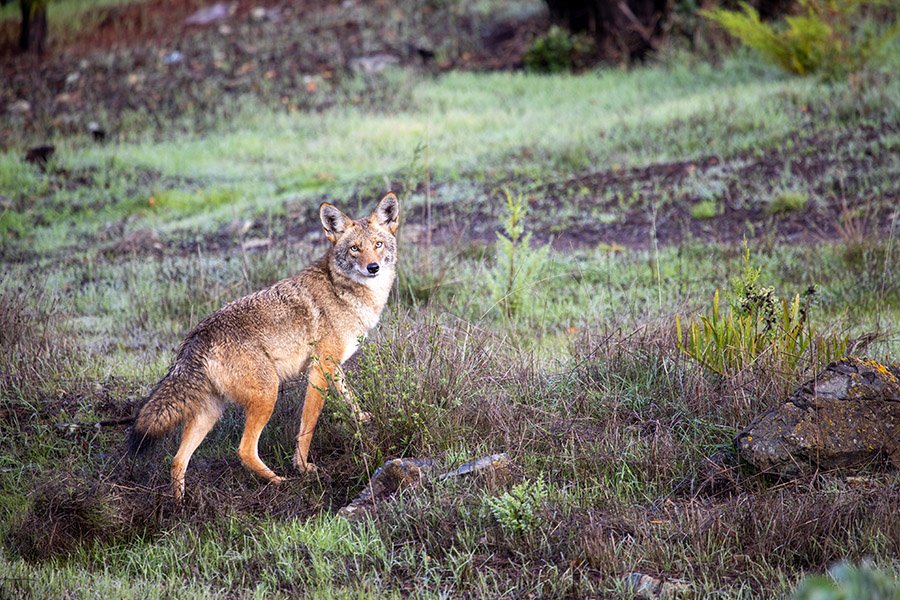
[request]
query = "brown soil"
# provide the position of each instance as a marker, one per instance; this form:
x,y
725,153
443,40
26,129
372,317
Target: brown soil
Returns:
x,y
565,213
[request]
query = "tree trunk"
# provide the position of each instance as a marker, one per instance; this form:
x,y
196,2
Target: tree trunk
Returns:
x,y
623,29
33,32
631,29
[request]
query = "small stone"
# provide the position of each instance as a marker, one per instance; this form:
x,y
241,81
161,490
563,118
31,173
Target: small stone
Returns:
x,y
72,78
256,243
642,586
19,107
374,64
211,14
258,13
173,58
647,587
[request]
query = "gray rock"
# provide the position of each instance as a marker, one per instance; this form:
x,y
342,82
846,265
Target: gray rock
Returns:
x,y
494,462
374,64
211,14
847,417
19,107
647,587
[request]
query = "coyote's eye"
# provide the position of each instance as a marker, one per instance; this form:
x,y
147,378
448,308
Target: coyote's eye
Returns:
x,y
378,244
354,248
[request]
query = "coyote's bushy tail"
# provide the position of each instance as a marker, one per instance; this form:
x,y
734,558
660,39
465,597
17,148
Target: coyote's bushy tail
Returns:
x,y
167,406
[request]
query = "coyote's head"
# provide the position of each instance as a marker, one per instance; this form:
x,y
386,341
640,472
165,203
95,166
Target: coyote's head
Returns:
x,y
363,248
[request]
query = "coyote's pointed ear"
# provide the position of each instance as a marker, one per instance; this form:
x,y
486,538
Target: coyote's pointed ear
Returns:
x,y
333,221
388,213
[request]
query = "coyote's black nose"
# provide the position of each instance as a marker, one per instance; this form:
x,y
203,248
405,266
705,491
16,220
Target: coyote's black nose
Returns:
x,y
372,268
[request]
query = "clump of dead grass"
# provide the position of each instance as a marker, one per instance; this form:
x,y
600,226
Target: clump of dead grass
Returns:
x,y
65,513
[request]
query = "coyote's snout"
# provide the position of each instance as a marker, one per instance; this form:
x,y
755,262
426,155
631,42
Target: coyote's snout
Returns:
x,y
309,323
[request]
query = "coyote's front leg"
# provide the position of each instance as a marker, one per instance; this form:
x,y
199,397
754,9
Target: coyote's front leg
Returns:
x,y
341,387
312,408
321,376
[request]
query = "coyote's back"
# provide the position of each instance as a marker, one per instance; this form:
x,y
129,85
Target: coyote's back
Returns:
x,y
308,323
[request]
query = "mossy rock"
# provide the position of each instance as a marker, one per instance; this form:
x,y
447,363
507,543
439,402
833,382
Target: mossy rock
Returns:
x,y
848,417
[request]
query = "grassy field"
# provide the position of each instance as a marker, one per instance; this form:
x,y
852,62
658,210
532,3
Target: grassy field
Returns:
x,y
645,188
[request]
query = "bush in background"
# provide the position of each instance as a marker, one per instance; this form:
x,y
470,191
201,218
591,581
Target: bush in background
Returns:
x,y
758,328
828,37
847,582
557,51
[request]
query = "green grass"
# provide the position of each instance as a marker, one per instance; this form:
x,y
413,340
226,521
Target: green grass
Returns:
x,y
427,375
65,17
787,202
458,127
463,118
583,383
705,209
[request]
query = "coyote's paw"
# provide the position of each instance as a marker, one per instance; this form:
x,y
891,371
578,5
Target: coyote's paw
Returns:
x,y
277,479
304,467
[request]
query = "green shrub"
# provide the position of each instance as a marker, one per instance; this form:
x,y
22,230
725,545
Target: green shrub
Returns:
x,y
518,265
759,328
787,202
705,209
13,224
846,582
828,37
516,509
557,51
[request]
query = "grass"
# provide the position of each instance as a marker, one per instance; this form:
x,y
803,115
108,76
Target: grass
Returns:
x,y
705,209
65,18
583,384
787,202
479,127
613,418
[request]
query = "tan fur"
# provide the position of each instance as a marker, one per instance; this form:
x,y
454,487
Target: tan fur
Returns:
x,y
310,323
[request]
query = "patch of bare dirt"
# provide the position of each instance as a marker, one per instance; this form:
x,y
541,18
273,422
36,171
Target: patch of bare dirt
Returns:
x,y
636,207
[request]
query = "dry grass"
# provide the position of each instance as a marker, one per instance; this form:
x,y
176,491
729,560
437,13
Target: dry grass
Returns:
x,y
634,443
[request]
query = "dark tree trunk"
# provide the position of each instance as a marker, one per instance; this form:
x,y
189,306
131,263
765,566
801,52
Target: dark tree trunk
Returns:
x,y
631,29
33,32
622,28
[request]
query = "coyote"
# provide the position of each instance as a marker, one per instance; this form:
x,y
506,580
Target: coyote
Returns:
x,y
311,322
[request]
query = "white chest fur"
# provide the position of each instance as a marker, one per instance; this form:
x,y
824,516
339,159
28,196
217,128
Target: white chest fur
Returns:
x,y
351,345
368,315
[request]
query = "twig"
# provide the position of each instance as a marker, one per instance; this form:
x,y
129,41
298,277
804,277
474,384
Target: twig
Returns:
x,y
71,427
